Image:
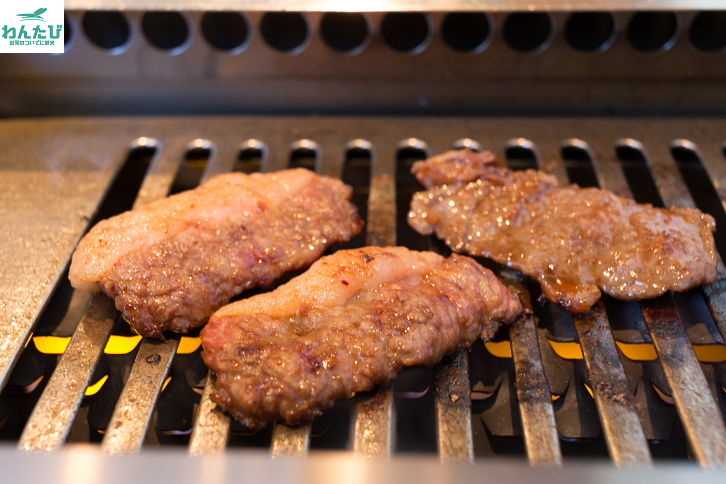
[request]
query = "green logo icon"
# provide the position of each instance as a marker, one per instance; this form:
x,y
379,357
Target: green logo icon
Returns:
x,y
33,16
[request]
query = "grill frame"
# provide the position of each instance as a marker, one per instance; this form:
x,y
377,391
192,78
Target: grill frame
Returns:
x,y
333,135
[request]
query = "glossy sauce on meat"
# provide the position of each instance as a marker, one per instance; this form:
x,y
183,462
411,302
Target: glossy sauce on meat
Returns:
x,y
170,264
351,322
575,242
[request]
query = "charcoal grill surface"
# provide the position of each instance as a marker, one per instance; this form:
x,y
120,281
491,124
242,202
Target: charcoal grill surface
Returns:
x,y
56,171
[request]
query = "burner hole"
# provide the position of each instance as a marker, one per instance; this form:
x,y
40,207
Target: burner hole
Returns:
x,y
345,32
305,154
652,31
121,195
466,32
108,30
579,166
285,31
68,34
166,30
226,31
252,155
406,32
708,31
638,175
590,31
521,158
189,175
528,32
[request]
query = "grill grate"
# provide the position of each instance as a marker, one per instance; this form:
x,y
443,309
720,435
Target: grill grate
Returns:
x,y
598,141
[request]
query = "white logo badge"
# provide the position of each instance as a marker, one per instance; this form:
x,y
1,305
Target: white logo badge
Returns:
x,y
32,26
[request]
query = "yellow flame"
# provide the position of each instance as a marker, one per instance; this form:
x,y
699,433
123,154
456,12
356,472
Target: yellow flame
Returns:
x,y
93,389
638,351
121,345
51,345
589,390
567,351
710,353
166,382
189,345
500,349
28,340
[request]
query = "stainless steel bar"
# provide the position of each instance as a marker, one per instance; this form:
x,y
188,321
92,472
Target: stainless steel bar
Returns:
x,y
533,392
53,415
290,441
712,160
211,428
695,403
452,397
614,398
130,420
129,423
373,436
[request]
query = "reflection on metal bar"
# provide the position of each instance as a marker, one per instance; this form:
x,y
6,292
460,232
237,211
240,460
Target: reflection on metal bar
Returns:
x,y
694,401
533,392
290,441
294,441
374,413
53,415
613,396
211,429
611,391
62,396
698,411
452,396
130,420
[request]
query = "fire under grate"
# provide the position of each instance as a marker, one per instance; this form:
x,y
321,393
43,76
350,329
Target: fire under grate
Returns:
x,y
628,380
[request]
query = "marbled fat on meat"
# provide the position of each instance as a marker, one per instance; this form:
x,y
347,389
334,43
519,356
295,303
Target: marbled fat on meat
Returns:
x,y
170,264
351,322
576,242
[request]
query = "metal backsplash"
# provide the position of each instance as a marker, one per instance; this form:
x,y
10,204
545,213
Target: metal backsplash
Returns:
x,y
648,63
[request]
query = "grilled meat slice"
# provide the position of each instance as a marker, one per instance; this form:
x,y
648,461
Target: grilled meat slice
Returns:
x,y
455,166
351,322
170,264
575,242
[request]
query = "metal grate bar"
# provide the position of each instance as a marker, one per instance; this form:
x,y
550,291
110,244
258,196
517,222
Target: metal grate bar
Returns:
x,y
211,427
613,396
694,401
130,421
452,397
533,392
612,393
290,441
59,403
53,415
712,160
374,411
17,321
